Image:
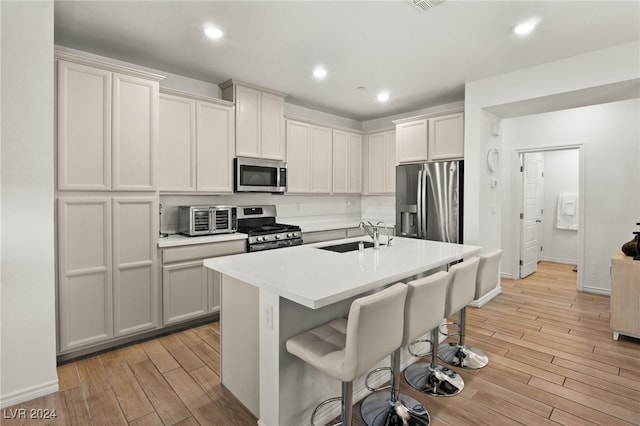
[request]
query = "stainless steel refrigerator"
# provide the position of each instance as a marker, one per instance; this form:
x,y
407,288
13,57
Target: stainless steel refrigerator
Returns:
x,y
429,201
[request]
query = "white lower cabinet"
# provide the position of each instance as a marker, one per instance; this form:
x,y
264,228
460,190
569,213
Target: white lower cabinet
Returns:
x,y
107,283
189,289
184,288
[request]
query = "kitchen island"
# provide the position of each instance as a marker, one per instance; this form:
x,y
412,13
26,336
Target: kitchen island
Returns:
x,y
269,296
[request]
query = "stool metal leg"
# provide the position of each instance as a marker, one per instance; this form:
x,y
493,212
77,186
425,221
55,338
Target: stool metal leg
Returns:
x,y
390,408
347,403
434,379
461,355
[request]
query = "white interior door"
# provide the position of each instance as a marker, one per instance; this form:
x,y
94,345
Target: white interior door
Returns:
x,y
540,203
529,216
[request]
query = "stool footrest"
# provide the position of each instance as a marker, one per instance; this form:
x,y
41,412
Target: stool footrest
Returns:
x,y
322,404
374,371
418,355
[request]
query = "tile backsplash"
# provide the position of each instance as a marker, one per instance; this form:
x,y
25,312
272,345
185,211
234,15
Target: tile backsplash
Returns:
x,y
289,207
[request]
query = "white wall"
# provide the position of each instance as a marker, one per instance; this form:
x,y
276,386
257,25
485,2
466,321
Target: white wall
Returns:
x,y
610,136
27,326
574,81
560,177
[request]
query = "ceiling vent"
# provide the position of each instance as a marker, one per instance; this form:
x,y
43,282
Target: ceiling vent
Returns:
x,y
424,5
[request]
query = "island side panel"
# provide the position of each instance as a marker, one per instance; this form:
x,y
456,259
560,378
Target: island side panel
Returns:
x,y
239,341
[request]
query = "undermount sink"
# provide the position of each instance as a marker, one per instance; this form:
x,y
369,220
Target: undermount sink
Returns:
x,y
346,247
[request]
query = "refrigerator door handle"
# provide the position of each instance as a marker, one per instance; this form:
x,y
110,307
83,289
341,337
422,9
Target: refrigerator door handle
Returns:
x,y
425,201
419,202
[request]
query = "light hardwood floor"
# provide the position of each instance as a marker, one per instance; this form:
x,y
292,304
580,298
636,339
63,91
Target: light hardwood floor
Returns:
x,y
552,361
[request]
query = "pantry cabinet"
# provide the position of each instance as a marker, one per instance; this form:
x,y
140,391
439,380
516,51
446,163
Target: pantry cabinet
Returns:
x,y
189,289
107,280
259,120
196,146
430,138
347,162
107,126
380,163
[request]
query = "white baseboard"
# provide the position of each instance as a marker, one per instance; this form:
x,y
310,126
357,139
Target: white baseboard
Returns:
x,y
28,394
487,297
506,275
597,290
558,260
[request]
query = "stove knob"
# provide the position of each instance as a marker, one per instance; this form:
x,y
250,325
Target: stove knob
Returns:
x,y
289,235
278,236
266,238
258,238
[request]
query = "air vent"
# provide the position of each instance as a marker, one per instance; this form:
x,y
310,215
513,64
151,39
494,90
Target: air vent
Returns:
x,y
424,5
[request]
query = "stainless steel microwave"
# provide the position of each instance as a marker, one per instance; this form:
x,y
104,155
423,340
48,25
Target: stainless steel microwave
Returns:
x,y
206,220
259,175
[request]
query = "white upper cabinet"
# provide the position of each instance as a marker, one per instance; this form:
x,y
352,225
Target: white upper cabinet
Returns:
x,y
196,146
107,127
84,127
298,140
412,141
380,163
430,138
259,120
446,137
177,143
347,162
135,126
309,158
320,160
215,143
272,126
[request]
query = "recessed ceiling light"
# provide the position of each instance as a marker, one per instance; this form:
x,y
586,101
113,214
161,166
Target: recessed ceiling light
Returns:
x,y
383,96
524,28
320,73
213,33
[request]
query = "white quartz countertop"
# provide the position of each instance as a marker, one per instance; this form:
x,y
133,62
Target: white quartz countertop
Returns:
x,y
176,240
315,278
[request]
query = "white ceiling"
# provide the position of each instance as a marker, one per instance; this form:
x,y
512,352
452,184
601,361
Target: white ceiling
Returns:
x,y
422,58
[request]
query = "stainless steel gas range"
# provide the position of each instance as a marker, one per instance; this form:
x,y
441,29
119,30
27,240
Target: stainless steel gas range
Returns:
x,y
259,223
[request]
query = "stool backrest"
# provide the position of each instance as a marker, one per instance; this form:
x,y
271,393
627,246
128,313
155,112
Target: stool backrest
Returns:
x,y
424,307
488,273
462,287
374,328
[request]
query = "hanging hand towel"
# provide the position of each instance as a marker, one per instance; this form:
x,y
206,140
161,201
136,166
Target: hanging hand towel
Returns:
x,y
567,212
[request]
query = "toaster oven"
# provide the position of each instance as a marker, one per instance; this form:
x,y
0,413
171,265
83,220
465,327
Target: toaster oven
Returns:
x,y
207,220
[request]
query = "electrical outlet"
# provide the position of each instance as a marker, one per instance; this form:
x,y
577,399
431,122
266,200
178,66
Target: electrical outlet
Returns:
x,y
268,316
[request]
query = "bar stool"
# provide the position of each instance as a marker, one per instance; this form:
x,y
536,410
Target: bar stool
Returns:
x,y
431,378
462,291
423,310
345,348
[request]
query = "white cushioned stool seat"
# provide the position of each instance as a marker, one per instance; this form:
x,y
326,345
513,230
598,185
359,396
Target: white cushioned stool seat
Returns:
x,y
322,347
423,311
431,378
345,348
462,292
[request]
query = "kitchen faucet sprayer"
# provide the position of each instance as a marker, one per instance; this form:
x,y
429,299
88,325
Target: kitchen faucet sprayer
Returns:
x,y
374,232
